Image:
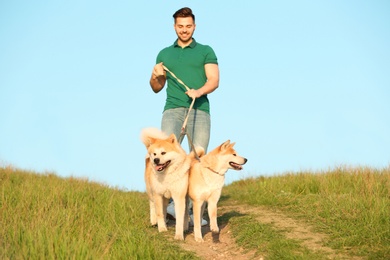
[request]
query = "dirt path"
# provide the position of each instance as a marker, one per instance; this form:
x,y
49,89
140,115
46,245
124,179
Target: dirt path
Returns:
x,y
223,246
217,246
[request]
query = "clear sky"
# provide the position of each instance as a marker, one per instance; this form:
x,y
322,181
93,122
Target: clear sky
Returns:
x,y
305,85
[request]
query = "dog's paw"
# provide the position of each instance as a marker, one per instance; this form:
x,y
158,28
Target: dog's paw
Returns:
x,y
179,237
162,229
214,229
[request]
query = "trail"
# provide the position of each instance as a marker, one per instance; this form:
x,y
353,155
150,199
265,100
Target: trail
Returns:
x,y
223,246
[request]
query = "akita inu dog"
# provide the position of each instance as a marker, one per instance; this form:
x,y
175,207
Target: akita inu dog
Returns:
x,y
166,176
206,180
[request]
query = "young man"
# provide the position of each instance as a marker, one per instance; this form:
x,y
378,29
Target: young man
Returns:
x,y
196,65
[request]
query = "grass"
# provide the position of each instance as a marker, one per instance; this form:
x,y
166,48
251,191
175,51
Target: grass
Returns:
x,y
43,216
269,241
351,205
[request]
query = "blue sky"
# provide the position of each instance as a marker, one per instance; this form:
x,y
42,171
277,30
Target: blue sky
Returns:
x,y
305,85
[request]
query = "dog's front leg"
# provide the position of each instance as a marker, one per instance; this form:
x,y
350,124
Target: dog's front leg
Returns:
x,y
197,210
165,205
180,207
186,214
153,217
159,207
212,210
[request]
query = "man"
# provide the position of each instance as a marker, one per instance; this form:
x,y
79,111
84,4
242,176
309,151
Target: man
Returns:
x,y
196,65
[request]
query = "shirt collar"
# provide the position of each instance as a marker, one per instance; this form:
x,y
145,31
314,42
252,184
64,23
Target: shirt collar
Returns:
x,y
192,44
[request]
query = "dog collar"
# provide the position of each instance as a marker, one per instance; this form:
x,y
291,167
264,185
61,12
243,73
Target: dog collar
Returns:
x,y
214,171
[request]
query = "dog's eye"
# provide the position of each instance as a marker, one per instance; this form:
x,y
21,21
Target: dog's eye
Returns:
x,y
235,154
163,153
154,154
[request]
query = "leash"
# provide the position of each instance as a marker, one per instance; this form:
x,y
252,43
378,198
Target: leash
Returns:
x,y
183,128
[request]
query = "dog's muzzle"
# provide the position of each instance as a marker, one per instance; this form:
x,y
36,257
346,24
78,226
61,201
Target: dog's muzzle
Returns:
x,y
160,166
237,166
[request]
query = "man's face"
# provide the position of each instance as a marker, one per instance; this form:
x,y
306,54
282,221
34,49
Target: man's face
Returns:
x,y
184,28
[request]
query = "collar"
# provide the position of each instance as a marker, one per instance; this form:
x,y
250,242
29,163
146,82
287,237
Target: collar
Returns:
x,y
192,44
214,171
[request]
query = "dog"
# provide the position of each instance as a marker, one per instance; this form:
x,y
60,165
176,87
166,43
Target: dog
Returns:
x,y
166,176
206,179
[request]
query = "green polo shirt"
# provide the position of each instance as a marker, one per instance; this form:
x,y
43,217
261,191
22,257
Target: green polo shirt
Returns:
x,y
188,65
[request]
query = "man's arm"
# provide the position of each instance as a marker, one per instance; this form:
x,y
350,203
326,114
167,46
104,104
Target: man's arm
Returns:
x,y
158,78
212,83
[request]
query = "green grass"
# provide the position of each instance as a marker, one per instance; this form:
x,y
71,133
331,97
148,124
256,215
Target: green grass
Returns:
x,y
269,241
43,216
351,205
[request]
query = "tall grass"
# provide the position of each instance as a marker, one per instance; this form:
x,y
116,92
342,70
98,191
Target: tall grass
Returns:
x,y
352,205
43,216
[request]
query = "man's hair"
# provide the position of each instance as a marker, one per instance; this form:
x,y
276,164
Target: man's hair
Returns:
x,y
184,12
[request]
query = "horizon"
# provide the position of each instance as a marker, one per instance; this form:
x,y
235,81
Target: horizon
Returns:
x,y
303,85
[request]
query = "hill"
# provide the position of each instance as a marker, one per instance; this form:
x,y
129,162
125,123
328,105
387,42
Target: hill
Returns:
x,y
338,214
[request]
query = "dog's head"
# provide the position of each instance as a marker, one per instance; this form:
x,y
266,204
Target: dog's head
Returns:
x,y
163,152
231,156
224,157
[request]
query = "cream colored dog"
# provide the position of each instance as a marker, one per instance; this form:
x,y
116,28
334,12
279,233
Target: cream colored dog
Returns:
x,y
166,176
207,177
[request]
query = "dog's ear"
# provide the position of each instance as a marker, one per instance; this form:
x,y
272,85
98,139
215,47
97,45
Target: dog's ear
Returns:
x,y
150,135
225,145
172,138
148,141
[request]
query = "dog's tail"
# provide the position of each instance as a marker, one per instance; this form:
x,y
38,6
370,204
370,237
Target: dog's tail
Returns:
x,y
152,132
199,151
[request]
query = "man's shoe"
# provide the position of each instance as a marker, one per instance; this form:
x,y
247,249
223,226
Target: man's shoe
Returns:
x,y
171,215
171,211
204,222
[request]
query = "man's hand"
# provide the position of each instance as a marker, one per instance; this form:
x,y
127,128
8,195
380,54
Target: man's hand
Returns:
x,y
158,70
194,93
158,78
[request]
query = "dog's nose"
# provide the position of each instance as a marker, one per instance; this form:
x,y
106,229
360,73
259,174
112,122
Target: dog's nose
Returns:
x,y
156,160
245,160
